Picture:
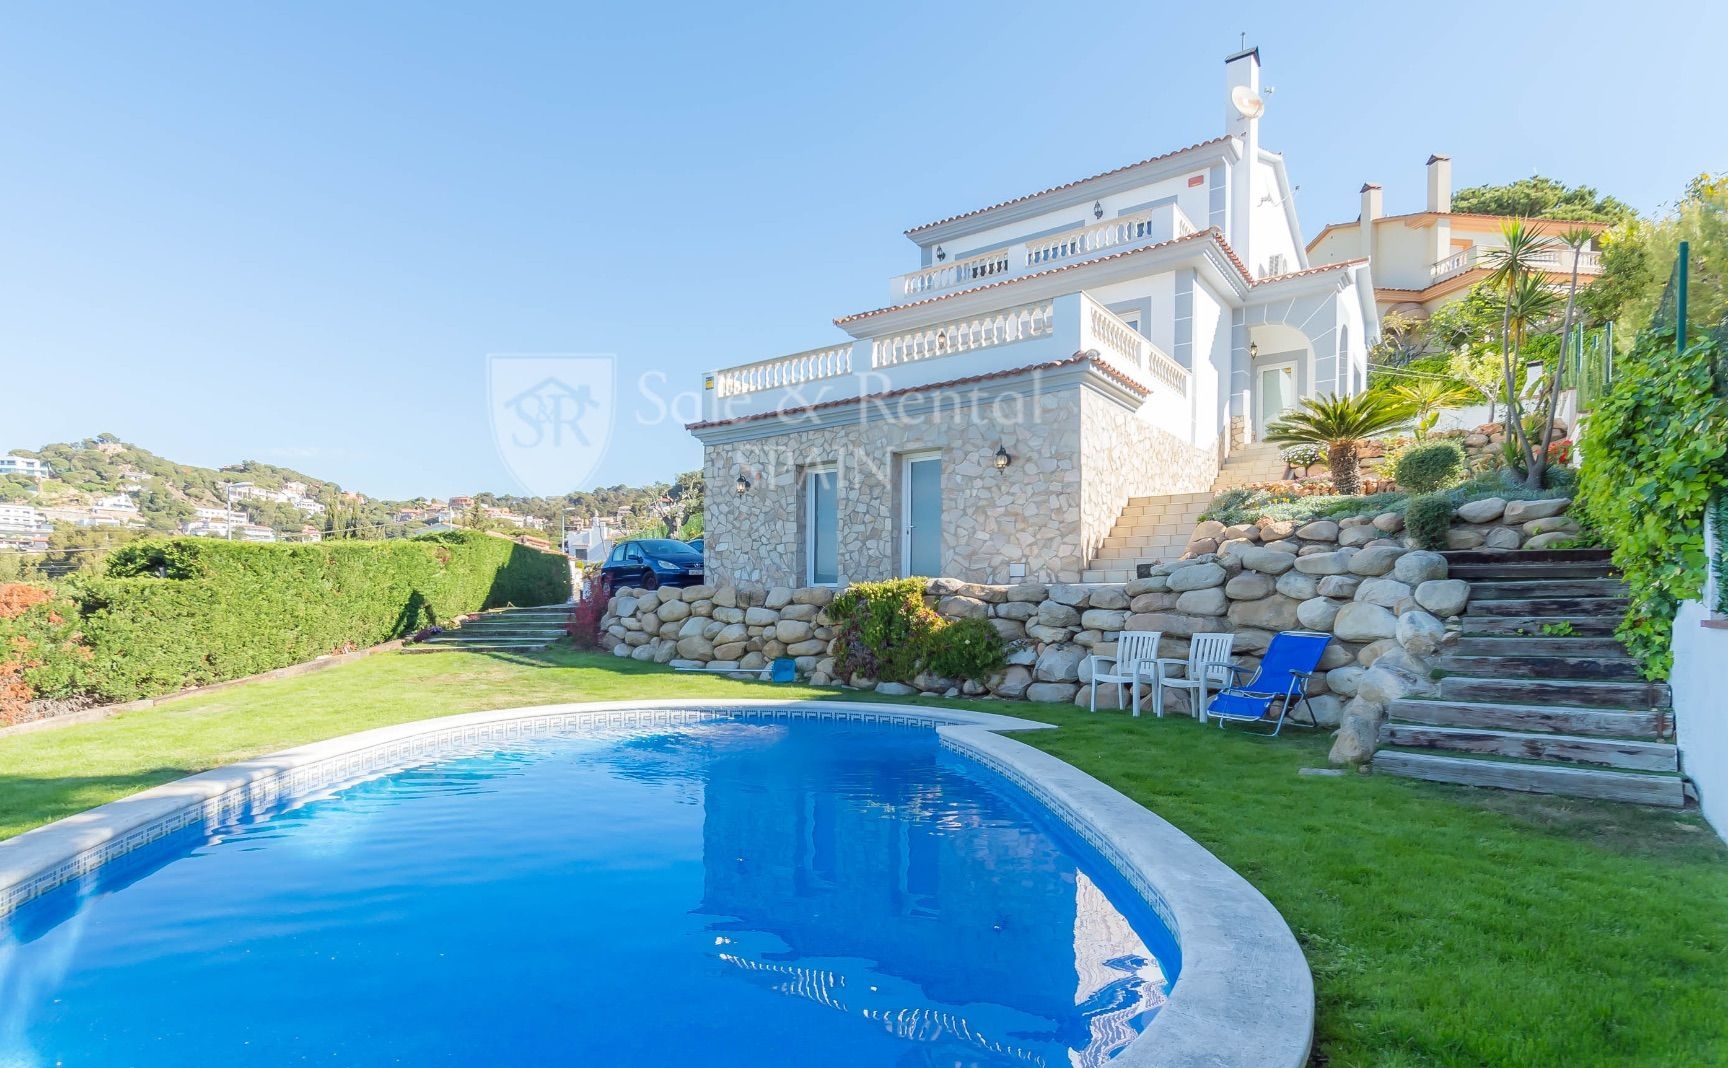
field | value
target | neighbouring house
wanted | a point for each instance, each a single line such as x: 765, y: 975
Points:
x: 1428, y: 258
x: 23, y: 519
x: 27, y: 466
x: 1050, y: 359
x: 592, y: 543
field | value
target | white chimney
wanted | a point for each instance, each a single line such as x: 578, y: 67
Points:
x: 1371, y: 210
x: 1242, y: 107
x: 1440, y: 183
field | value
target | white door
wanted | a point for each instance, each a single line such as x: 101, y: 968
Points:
x: 921, y: 515
x: 1277, y: 391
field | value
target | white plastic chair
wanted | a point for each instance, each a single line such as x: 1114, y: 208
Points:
x: 1208, y: 662
x: 1136, y: 659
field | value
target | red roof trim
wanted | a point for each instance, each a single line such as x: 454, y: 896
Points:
x: 1079, y: 357
x: 1065, y: 185
x: 1311, y: 270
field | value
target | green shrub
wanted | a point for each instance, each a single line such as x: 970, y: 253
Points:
x: 881, y: 627
x: 965, y: 649
x: 1429, y: 466
x: 887, y: 632
x: 1655, y: 454
x: 188, y: 612
x: 1427, y: 520
x: 1303, y: 456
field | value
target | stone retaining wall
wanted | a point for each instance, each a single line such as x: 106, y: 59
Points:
x: 1491, y: 523
x: 1389, y: 608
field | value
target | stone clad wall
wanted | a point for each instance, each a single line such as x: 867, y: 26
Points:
x: 1387, y: 606
x: 1122, y: 456
x: 1028, y: 514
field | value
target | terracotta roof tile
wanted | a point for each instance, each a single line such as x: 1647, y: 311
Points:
x: 1310, y: 270
x: 1079, y: 357
x: 1065, y: 185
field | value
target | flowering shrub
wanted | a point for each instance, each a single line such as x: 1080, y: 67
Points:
x: 887, y: 632
x: 584, y: 625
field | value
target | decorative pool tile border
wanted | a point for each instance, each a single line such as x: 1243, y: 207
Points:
x: 255, y: 795
x: 1106, y: 845
x: 1243, y: 995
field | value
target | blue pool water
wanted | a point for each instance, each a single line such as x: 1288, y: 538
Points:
x: 729, y: 893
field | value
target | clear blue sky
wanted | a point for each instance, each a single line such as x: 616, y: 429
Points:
x: 293, y: 232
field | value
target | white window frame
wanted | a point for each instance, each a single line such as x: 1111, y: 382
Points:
x: 907, y: 459
x: 810, y: 523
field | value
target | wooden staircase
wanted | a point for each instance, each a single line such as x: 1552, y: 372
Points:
x: 1537, y: 694
x: 1159, y: 528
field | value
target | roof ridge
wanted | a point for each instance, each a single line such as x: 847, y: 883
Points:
x: 1066, y: 185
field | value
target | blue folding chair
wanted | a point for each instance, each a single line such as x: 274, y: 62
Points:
x: 1282, y: 677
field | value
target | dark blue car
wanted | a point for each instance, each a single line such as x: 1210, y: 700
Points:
x: 650, y: 563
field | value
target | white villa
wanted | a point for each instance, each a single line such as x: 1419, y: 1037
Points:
x: 1426, y: 259
x: 1050, y: 360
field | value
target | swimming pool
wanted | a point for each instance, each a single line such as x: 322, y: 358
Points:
x: 735, y: 887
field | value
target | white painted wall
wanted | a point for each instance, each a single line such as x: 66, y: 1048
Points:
x: 1272, y: 233
x: 1211, y: 371
x: 1191, y: 199
x: 1700, y: 684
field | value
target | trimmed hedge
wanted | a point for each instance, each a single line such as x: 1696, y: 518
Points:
x: 1429, y: 466
x: 188, y: 612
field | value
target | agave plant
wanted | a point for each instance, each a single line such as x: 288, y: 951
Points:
x: 1339, y: 425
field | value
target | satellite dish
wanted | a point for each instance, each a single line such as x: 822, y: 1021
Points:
x: 1248, y: 105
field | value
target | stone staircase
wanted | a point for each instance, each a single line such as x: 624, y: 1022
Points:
x: 1159, y: 528
x: 512, y: 630
x: 1537, y: 694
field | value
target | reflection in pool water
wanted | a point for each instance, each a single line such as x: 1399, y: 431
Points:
x: 731, y: 893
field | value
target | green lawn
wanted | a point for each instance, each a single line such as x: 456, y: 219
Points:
x: 1444, y: 926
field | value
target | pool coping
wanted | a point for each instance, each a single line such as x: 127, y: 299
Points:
x: 1244, y: 994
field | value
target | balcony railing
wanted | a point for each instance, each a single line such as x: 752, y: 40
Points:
x: 1553, y: 260
x: 1065, y: 325
x: 1163, y: 223
x: 1020, y: 323
x: 1125, y: 347
x: 783, y: 371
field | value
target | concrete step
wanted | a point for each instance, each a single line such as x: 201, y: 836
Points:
x: 1539, y: 645
x: 1649, y: 788
x: 475, y: 647
x: 1106, y: 575
x: 1548, y: 717
x: 1569, y: 749
x: 1576, y: 693
x: 1525, y: 666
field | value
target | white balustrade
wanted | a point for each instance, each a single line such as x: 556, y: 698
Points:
x: 1553, y: 260
x: 1162, y: 223
x: 1127, y: 348
x: 960, y: 272
x: 1003, y: 327
x: 784, y: 371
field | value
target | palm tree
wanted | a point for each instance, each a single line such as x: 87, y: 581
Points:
x: 1424, y: 397
x: 1512, y: 270
x: 1574, y: 239
x: 1339, y: 425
